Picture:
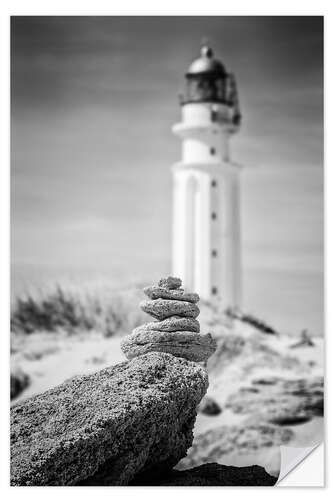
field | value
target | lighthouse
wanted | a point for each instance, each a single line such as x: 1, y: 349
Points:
x: 206, y: 251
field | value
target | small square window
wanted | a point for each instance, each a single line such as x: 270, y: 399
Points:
x: 214, y: 183
x: 214, y: 215
x: 212, y: 151
x: 214, y: 290
x: 214, y: 253
x: 214, y: 115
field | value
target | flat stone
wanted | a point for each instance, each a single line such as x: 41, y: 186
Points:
x: 158, y: 292
x: 188, y: 345
x: 170, y: 282
x: 162, y: 308
x: 171, y: 324
x: 105, y: 428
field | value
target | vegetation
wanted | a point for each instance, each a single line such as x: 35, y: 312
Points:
x: 72, y: 311
x: 251, y: 320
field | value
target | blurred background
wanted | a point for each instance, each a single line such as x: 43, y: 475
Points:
x: 93, y: 101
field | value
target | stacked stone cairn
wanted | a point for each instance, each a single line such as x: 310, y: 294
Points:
x: 175, y: 329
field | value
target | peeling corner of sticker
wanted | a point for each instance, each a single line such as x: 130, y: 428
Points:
x: 290, y: 457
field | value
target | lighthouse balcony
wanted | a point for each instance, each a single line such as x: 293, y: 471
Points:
x: 198, y: 129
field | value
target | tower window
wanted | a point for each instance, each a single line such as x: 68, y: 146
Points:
x: 214, y: 290
x: 214, y: 115
x: 214, y: 183
x: 214, y: 253
x: 214, y: 215
x: 212, y: 151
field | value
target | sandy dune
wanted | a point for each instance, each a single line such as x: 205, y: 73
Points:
x: 270, y: 393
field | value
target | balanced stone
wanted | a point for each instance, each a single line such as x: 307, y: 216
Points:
x: 176, y: 330
x: 171, y: 324
x: 189, y: 345
x: 170, y: 282
x: 161, y: 308
x: 158, y: 292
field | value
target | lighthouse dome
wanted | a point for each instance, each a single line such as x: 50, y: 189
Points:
x: 206, y: 64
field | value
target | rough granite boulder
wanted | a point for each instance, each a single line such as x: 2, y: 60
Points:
x: 188, y: 345
x: 107, y: 427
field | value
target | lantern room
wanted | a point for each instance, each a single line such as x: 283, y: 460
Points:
x: 207, y: 81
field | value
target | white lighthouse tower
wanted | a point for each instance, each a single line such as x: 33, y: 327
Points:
x: 206, y: 218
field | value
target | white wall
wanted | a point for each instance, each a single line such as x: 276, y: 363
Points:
x: 206, y: 248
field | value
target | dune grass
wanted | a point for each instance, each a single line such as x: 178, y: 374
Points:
x: 112, y: 312
x: 252, y: 320
x: 72, y: 310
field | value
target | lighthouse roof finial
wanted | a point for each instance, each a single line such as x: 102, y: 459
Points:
x: 206, y: 62
x: 206, y: 50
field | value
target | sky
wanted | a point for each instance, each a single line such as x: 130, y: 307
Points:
x: 93, y: 100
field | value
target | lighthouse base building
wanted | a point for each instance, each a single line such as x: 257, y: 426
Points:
x: 206, y: 205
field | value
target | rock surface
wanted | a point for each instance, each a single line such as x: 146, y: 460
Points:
x: 162, y: 308
x: 107, y: 427
x: 176, y: 331
x: 158, y: 292
x: 188, y: 345
x: 209, y: 406
x: 263, y: 387
x: 172, y: 324
x: 18, y: 382
x: 280, y: 401
x: 211, y: 474
x: 212, y: 445
x: 170, y: 283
